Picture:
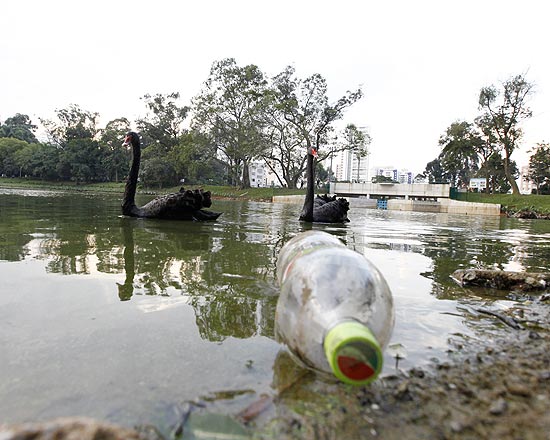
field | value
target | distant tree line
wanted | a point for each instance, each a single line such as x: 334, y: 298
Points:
x: 483, y: 148
x: 239, y: 116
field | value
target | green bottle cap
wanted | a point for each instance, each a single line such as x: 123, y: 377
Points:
x: 353, y: 353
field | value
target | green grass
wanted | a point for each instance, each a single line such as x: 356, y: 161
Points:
x: 510, y: 202
x: 112, y: 187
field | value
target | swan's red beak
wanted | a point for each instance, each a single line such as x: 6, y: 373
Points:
x: 314, y: 152
x: 126, y: 141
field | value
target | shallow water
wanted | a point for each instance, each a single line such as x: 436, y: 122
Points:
x: 127, y: 319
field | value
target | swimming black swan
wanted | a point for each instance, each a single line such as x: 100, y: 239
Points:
x: 183, y: 205
x: 321, y: 209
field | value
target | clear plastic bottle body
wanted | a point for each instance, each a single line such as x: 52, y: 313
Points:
x: 323, y: 283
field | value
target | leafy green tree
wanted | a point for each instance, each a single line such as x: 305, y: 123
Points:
x: 116, y: 158
x: 9, y: 146
x: 195, y: 160
x: 539, y: 168
x: 228, y: 109
x: 43, y: 163
x: 80, y: 161
x: 487, y: 145
x: 25, y: 159
x: 498, y: 180
x: 435, y: 173
x: 158, y: 171
x: 164, y: 123
x: 72, y: 123
x: 458, y: 157
x: 299, y: 117
x: 506, y: 115
x: 19, y: 127
x: 383, y: 179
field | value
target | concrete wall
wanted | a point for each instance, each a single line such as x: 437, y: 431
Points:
x: 289, y: 199
x: 445, y: 206
x: 414, y: 190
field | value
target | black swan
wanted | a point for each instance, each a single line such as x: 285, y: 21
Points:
x: 183, y: 205
x: 321, y: 209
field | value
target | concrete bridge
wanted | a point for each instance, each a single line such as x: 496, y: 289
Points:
x: 414, y: 191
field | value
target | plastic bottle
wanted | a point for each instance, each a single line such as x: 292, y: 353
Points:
x: 335, y: 309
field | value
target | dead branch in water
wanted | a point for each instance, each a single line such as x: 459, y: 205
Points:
x: 502, y: 280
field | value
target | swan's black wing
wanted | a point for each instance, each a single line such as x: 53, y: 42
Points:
x: 334, y: 211
x: 321, y: 200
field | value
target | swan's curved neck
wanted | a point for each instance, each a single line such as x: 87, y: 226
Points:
x: 307, y: 210
x: 129, y: 202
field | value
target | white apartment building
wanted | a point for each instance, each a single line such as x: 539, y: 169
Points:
x: 261, y: 175
x: 346, y: 166
x: 401, y: 176
x: 526, y: 186
x: 258, y: 174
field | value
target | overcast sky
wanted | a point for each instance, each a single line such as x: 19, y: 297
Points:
x: 421, y: 64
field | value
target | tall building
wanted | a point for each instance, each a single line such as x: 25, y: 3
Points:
x: 526, y: 186
x: 258, y: 175
x: 348, y: 167
x: 401, y: 176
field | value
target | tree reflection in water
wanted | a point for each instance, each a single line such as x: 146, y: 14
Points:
x: 223, y: 276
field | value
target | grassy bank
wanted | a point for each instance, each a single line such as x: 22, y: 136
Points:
x: 511, y: 203
x: 112, y: 187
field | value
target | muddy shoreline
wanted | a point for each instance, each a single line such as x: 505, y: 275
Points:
x: 496, y: 385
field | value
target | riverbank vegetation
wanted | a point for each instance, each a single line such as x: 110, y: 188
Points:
x: 228, y: 192
x: 483, y: 148
x: 243, y: 125
x: 511, y: 203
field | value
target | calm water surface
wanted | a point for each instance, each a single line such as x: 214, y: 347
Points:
x: 127, y: 319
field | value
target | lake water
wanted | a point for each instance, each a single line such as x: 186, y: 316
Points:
x: 127, y: 319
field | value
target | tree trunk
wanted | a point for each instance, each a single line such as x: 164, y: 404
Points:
x: 508, y: 174
x: 246, y: 175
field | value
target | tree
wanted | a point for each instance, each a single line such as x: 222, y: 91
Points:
x: 505, y: 116
x: 458, y: 157
x: 45, y: 158
x: 434, y: 172
x: 72, y: 123
x: 19, y: 127
x: 487, y: 146
x: 9, y: 147
x: 228, y: 109
x: 194, y: 159
x: 539, y: 168
x: 116, y: 158
x: 383, y: 179
x: 157, y: 171
x: 301, y: 117
x: 81, y: 161
x: 164, y: 123
x: 494, y: 167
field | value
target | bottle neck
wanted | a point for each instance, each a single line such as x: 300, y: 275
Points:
x: 353, y: 353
